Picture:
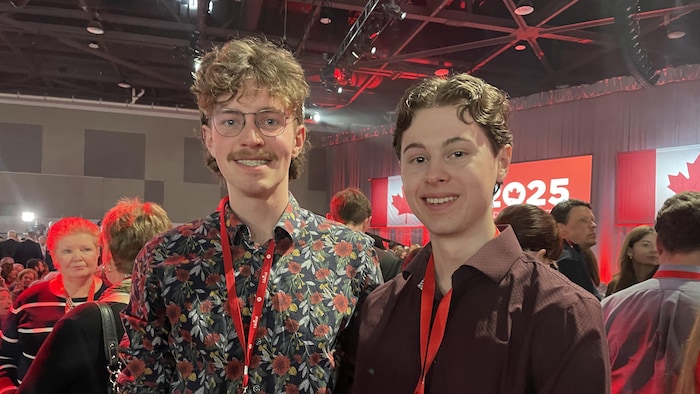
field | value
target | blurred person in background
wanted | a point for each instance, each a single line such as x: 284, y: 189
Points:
x: 536, y: 231
x: 76, y: 341
x: 5, y: 302
x: 72, y: 241
x: 648, y: 323
x: 638, y: 259
x: 25, y: 278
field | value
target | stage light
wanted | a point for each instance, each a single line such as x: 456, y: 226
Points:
x: 124, y: 84
x: 28, y: 216
x: 93, y: 45
x: 520, y: 46
x: 524, y: 7
x: 325, y: 16
x: 95, y: 26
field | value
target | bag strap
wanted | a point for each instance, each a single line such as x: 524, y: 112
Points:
x: 109, y: 331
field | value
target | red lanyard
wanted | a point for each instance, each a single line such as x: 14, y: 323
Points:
x: 429, y: 347
x: 677, y: 274
x: 247, y: 346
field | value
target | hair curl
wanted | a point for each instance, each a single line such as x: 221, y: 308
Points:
x: 251, y: 63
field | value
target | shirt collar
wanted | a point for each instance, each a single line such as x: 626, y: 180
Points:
x: 286, y: 230
x: 494, y: 259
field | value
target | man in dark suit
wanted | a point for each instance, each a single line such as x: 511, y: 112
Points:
x: 352, y: 208
x: 9, y: 246
x: 29, y: 248
x: 576, y: 224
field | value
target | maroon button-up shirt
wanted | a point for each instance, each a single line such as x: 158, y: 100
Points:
x: 515, y: 326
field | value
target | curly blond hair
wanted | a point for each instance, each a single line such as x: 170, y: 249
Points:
x: 229, y: 69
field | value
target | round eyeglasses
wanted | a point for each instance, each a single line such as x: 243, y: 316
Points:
x: 230, y: 123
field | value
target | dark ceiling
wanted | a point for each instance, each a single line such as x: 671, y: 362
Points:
x: 149, y: 43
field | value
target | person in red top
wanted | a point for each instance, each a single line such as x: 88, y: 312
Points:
x: 472, y: 312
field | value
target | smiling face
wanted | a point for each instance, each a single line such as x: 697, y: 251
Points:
x: 76, y: 255
x: 254, y: 165
x: 644, y: 251
x: 449, y: 172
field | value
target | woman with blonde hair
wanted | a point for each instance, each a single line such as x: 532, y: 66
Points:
x: 125, y: 229
x: 638, y: 259
x: 72, y: 242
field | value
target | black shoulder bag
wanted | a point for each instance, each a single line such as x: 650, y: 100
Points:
x: 111, y: 346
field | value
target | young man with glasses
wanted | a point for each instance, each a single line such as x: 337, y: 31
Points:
x: 255, y: 297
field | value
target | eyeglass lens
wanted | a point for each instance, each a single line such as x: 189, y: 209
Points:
x: 230, y: 123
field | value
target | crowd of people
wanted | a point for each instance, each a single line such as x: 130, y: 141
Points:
x: 264, y: 296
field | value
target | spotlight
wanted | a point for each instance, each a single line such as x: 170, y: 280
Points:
x: 524, y: 7
x: 674, y: 30
x: 520, y: 46
x: 124, y: 84
x: 339, y: 90
x: 93, y: 45
x: 316, y: 117
x: 95, y: 26
x: 325, y: 16
x: 395, y: 10
x: 28, y: 217
x: 441, y: 72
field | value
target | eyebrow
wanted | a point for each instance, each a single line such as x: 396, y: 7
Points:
x: 444, y: 144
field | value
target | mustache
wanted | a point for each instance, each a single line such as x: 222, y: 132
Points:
x: 249, y: 154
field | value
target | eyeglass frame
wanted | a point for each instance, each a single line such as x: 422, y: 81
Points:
x: 205, y: 120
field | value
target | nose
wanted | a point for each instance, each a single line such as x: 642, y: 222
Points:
x: 251, y: 135
x: 435, y: 173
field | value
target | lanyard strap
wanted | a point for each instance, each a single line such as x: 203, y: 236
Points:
x: 677, y: 274
x: 235, y: 306
x: 430, y: 338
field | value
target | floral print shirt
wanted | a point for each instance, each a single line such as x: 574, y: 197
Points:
x: 182, y: 337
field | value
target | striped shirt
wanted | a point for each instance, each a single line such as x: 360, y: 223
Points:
x: 25, y: 328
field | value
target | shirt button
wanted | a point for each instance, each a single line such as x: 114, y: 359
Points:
x: 256, y: 388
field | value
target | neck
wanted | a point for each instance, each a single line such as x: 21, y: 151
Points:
x: 355, y: 227
x: 667, y: 258
x: 260, y: 215
x: 642, y: 272
x: 450, y: 253
x: 78, y: 287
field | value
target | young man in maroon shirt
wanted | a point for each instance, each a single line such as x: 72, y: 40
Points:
x: 472, y: 313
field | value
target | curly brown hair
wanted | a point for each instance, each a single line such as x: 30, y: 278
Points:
x: 226, y: 71
x: 486, y: 104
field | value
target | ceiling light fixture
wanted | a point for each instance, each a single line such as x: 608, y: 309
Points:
x: 674, y: 30
x: 93, y: 45
x: 520, y: 46
x: 524, y: 7
x: 124, y: 84
x: 325, y: 16
x: 95, y: 26
x: 441, y: 72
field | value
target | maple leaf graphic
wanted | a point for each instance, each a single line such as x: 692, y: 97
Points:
x: 401, y: 205
x: 679, y: 183
x: 513, y: 194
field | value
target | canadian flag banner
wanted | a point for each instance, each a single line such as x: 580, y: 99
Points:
x: 645, y: 179
x: 543, y: 183
x: 389, y: 205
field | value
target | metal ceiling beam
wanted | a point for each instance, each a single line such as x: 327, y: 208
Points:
x: 132, y: 66
x: 436, y: 7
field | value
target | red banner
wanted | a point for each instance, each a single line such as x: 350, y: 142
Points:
x: 544, y: 183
